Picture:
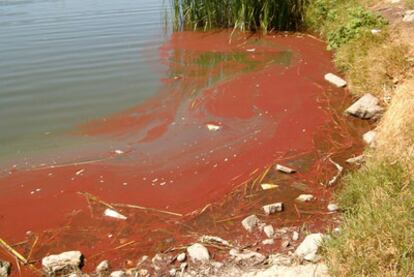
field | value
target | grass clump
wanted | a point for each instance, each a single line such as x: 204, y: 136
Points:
x: 246, y: 15
x: 376, y: 236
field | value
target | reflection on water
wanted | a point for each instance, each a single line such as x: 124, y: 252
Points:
x: 66, y: 62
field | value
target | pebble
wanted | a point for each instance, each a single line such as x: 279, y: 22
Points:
x: 333, y: 207
x: 183, y: 267
x: 305, y: 198
x: 198, y: 252
x: 173, y: 272
x: 295, y: 236
x: 273, y: 208
x: 181, y: 257
x: 369, y: 137
x: 269, y: 231
x: 250, y: 222
x: 268, y: 242
x: 102, y: 266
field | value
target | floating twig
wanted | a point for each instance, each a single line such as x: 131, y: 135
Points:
x: 335, y: 178
x: 12, y: 251
x: 31, y: 249
x: 146, y: 209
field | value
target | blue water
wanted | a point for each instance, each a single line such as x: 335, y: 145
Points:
x: 65, y: 62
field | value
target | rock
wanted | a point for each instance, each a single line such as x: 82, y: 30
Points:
x: 181, y: 257
x: 183, y: 267
x: 285, y: 243
x: 102, y: 267
x: 307, y: 270
x: 369, y: 137
x: 268, y: 242
x: 295, y: 236
x: 197, y: 252
x: 214, y: 239
x: 217, y: 265
x: 250, y: 222
x: 305, y: 198
x: 280, y: 259
x: 143, y: 273
x: 246, y: 255
x: 159, y: 261
x: 333, y: 207
x: 335, y: 80
x: 308, y: 249
x: 118, y: 273
x: 268, y: 186
x: 269, y: 231
x: 173, y: 272
x: 356, y: 160
x: 285, y: 169
x: 64, y: 262
x: 114, y: 214
x: 5, y: 268
x: 408, y: 16
x: 366, y: 107
x: 273, y: 208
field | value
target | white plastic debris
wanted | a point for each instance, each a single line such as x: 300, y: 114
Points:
x: 213, y: 127
x: 285, y: 169
x: 79, y: 172
x: 335, y: 80
x: 251, y: 50
x: 114, y: 214
x: 268, y: 186
x: 119, y: 152
x: 305, y: 198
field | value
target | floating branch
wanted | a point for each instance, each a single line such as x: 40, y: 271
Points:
x: 335, y: 178
x: 12, y: 251
x: 146, y: 209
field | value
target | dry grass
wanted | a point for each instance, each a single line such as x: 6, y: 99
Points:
x: 396, y: 130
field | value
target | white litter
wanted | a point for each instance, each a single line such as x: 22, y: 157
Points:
x: 79, y: 172
x: 251, y: 50
x: 119, y: 152
x: 213, y: 127
x: 268, y: 186
x: 114, y: 214
x: 335, y: 80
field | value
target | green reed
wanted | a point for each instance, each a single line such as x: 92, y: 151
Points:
x: 245, y: 15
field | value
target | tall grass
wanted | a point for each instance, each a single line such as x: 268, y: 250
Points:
x: 246, y: 15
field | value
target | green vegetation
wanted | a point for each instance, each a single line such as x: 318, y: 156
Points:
x: 376, y: 236
x: 246, y: 15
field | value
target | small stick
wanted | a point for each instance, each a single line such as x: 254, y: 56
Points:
x: 297, y: 211
x: 340, y: 169
x: 18, y: 266
x: 147, y: 209
x: 31, y: 249
x: 12, y: 251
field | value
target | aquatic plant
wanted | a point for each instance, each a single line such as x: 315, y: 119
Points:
x: 245, y: 15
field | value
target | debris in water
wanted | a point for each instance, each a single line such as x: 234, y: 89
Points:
x: 213, y: 127
x: 79, y: 172
x: 111, y: 213
x: 285, y: 169
x: 119, y: 152
x: 268, y: 186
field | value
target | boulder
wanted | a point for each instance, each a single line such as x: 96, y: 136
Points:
x: 64, y: 262
x: 250, y: 222
x: 305, y: 198
x: 197, y: 252
x: 273, y: 208
x: 5, y: 268
x: 335, y: 80
x: 269, y: 231
x: 365, y: 108
x: 308, y: 249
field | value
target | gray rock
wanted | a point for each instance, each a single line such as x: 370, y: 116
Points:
x: 366, y: 107
x: 285, y: 169
x: 305, y: 198
x: 66, y: 261
x: 408, y: 16
x: 250, y: 222
x: 335, y: 80
x: 181, y: 257
x: 269, y: 231
x: 198, y: 253
x: 102, y: 266
x: 5, y: 268
x: 273, y: 208
x: 369, y: 137
x: 308, y: 249
x: 333, y: 207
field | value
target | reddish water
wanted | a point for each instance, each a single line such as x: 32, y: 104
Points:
x: 268, y: 99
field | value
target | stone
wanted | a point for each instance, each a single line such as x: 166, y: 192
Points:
x: 285, y: 243
x: 159, y: 261
x: 369, y: 137
x: 268, y: 242
x: 214, y: 239
x: 197, y: 252
x: 114, y: 214
x: 305, y: 198
x: 356, y: 160
x: 335, y: 80
x: 181, y: 257
x: 273, y: 208
x: 309, y: 247
x: 333, y: 207
x: 183, y: 267
x: 102, y: 266
x: 118, y: 273
x: 245, y: 255
x: 295, y: 236
x: 217, y: 265
x: 269, y: 231
x: 408, y: 16
x: 143, y: 272
x: 250, y: 222
x: 5, y: 268
x: 285, y: 169
x: 66, y: 261
x: 365, y: 108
